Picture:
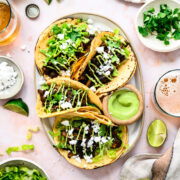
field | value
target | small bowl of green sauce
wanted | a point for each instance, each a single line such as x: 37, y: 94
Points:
x: 20, y: 168
x: 124, y: 105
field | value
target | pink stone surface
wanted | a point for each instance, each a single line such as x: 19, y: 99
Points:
x: 13, y: 127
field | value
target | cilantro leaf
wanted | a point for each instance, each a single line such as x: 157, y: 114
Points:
x: 143, y: 31
x: 176, y: 35
x: 45, y: 86
x: 115, y: 72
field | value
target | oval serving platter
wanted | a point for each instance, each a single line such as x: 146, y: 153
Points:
x: 105, y: 24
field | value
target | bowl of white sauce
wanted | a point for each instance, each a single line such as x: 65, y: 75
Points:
x: 11, y: 78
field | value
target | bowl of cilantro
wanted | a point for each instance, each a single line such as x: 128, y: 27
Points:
x: 20, y: 168
x: 158, y: 25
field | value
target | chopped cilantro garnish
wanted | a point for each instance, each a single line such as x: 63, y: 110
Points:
x: 165, y: 24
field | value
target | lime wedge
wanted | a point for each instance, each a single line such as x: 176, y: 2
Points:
x: 18, y: 106
x: 157, y: 133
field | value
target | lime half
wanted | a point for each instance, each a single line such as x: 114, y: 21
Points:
x: 18, y: 106
x: 157, y: 133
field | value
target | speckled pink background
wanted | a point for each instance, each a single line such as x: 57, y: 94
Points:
x: 13, y: 127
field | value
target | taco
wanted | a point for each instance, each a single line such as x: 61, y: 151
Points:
x: 59, y: 95
x: 110, y: 64
x: 60, y: 45
x: 88, y: 141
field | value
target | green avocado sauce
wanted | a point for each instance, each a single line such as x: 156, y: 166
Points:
x: 123, y: 104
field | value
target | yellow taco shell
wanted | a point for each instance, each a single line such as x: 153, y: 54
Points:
x: 102, y: 120
x: 126, y: 69
x: 42, y: 44
x: 94, y: 99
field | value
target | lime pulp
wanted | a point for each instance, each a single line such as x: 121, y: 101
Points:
x: 18, y: 106
x: 157, y: 133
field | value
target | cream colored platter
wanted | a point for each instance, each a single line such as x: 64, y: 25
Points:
x: 103, y: 24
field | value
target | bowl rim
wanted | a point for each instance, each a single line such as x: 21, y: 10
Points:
x: 170, y: 49
x: 21, y: 74
x: 154, y: 95
x: 27, y: 161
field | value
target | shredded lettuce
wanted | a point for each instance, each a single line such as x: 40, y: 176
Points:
x: 24, y: 147
x: 20, y: 173
x: 12, y: 149
x: 27, y: 147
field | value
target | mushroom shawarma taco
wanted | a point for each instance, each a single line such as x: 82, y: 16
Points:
x: 110, y: 64
x: 60, y: 45
x: 88, y: 141
x: 59, y: 95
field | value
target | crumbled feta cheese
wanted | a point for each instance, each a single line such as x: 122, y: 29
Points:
x: 66, y: 73
x: 97, y: 138
x: 90, y: 21
x: 110, y: 48
x: 69, y: 41
x: 83, y: 143
x: 23, y: 47
x: 93, y: 88
x: 106, y: 62
x: 90, y: 142
x: 73, y: 142
x: 88, y: 158
x: 8, y: 76
x: 65, y: 123
x: 79, y: 103
x: 100, y: 49
x: 60, y: 36
x: 104, y: 140
x: 105, y: 55
x: 65, y: 105
x: 109, y: 138
x: 105, y: 68
x: 100, y: 73
x: 77, y: 158
x: 71, y: 131
x: 9, y: 55
x: 46, y: 93
x: 64, y: 46
x: 55, y: 62
x: 41, y: 80
x: 86, y: 129
x: 92, y: 29
x: 95, y: 127
x: 107, y: 73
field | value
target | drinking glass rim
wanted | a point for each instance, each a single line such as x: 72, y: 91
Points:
x: 156, y: 102
x: 9, y: 17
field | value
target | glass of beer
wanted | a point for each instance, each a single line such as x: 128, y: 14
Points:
x: 9, y: 23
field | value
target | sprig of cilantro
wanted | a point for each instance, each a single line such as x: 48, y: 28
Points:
x: 165, y: 24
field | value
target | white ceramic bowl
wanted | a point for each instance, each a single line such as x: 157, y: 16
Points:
x: 151, y: 41
x: 15, y: 89
x: 23, y: 162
